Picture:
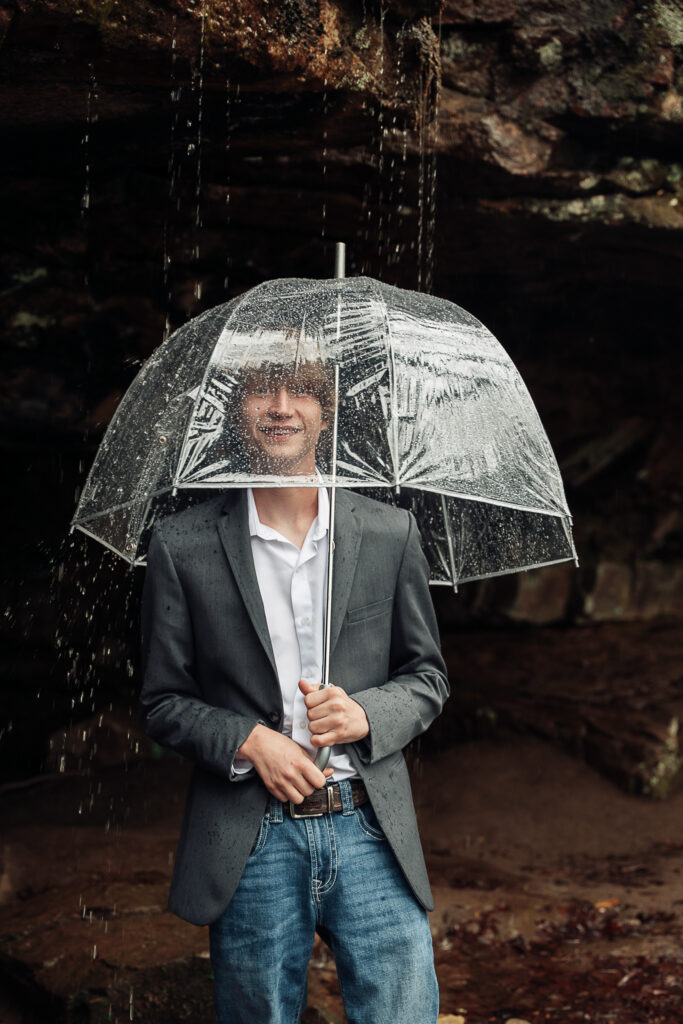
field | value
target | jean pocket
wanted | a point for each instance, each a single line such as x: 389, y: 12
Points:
x: 367, y: 820
x: 261, y: 836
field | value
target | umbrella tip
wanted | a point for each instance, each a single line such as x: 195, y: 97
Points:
x: 340, y: 260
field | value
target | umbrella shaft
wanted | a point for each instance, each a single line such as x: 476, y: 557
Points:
x: 328, y: 604
x: 323, y: 755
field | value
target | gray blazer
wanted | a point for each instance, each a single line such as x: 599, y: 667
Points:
x: 210, y: 677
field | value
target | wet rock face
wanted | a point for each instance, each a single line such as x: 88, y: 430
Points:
x: 163, y: 156
x: 585, y: 97
x: 274, y: 48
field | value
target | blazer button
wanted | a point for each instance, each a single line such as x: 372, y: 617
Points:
x: 274, y: 716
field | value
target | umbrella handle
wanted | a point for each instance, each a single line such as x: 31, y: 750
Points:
x: 322, y: 757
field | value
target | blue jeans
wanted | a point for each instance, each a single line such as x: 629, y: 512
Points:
x: 336, y: 875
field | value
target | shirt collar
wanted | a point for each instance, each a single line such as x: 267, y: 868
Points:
x: 321, y: 523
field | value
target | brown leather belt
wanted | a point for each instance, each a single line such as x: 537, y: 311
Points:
x: 324, y: 801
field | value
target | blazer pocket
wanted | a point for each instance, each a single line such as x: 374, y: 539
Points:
x: 370, y: 611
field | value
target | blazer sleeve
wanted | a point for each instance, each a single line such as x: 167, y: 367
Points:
x: 172, y: 709
x: 406, y: 705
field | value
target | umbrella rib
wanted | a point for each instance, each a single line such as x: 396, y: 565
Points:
x: 202, y: 386
x: 518, y: 568
x: 392, y: 385
x: 203, y: 473
x: 562, y: 514
x: 111, y: 509
x: 449, y: 541
x: 100, y: 540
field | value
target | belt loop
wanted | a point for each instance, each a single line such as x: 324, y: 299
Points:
x: 346, y: 794
x: 275, y: 811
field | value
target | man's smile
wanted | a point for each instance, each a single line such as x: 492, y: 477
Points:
x: 278, y: 430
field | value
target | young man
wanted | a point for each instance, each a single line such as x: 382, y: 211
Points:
x: 273, y: 849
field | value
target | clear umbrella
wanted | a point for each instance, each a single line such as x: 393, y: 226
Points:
x: 425, y: 407
x: 430, y: 413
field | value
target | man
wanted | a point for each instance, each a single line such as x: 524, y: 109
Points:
x: 272, y: 849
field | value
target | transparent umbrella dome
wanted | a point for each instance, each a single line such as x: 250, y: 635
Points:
x: 430, y: 413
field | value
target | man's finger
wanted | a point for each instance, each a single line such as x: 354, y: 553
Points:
x: 311, y: 690
x: 314, y: 776
x: 278, y: 791
x: 325, y: 739
x: 323, y: 698
x: 316, y: 714
x: 316, y: 697
x: 307, y: 687
x: 329, y: 724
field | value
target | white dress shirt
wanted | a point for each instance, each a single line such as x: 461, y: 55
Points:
x: 293, y: 590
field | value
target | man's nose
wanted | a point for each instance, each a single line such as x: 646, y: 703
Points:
x: 281, y: 403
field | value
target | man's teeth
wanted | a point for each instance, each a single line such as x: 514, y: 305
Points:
x: 280, y: 430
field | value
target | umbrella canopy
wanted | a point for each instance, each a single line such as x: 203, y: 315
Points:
x: 430, y: 413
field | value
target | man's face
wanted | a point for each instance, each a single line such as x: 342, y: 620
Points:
x: 282, y: 423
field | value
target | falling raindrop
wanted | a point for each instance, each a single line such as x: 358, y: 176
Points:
x: 427, y: 177
x: 85, y: 142
x: 434, y: 94
x: 395, y: 173
x: 198, y: 86
x: 380, y: 133
x: 421, y: 198
x: 175, y: 94
x: 90, y: 118
x: 228, y: 137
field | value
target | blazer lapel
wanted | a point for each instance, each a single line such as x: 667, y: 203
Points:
x: 347, y: 536
x: 233, y: 530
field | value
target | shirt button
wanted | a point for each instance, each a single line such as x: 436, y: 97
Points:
x: 305, y: 621
x: 274, y: 716
x: 302, y: 724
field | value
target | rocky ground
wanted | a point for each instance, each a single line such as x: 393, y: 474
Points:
x: 558, y: 897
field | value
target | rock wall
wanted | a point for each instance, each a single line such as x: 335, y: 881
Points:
x: 559, y: 127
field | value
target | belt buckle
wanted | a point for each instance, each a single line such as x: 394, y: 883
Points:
x: 313, y: 814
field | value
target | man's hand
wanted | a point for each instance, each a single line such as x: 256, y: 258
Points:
x: 333, y: 716
x: 287, y: 770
